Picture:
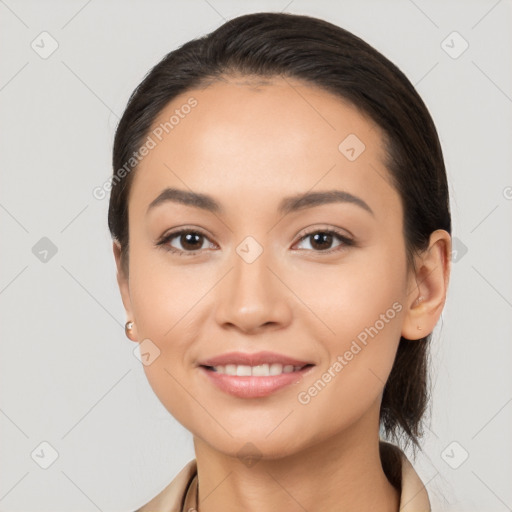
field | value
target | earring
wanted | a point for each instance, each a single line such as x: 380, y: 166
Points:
x: 128, y: 327
x: 419, y: 300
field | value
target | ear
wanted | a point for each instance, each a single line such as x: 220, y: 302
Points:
x: 428, y: 286
x: 124, y: 288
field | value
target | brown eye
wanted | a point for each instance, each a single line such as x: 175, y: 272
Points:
x: 184, y: 242
x: 191, y: 241
x: 322, y: 240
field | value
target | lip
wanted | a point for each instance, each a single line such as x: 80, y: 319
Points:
x: 254, y: 359
x: 253, y: 387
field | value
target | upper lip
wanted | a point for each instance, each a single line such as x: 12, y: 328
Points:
x: 252, y: 359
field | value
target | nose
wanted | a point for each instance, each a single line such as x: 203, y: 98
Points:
x: 253, y: 298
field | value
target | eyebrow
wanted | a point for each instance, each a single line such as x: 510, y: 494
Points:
x: 287, y: 205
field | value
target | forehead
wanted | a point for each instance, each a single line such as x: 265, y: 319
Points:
x: 245, y: 137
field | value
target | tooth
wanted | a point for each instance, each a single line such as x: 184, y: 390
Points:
x: 230, y: 369
x: 261, y: 371
x: 276, y: 369
x: 243, y: 370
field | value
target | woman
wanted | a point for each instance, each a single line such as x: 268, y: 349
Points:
x: 281, y: 227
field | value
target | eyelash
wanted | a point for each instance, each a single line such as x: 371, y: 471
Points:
x: 164, y: 241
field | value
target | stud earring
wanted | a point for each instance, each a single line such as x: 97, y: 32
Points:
x: 128, y: 327
x: 419, y: 300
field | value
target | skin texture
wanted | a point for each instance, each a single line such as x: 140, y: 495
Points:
x: 249, y: 145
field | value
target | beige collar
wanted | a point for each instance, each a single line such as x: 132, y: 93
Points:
x: 181, y: 494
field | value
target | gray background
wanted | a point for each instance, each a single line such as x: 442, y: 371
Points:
x: 69, y: 376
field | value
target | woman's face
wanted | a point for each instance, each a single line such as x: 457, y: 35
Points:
x: 320, y: 281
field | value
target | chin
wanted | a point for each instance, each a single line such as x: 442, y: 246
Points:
x: 254, y: 445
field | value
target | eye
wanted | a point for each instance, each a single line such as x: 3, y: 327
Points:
x: 191, y: 242
x: 321, y: 240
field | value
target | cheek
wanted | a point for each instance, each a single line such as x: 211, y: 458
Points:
x: 359, y: 292
x: 360, y: 305
x: 164, y: 294
x: 167, y: 301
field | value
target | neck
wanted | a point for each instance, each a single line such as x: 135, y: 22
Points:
x: 343, y: 472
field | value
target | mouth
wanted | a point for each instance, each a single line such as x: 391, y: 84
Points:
x: 257, y: 375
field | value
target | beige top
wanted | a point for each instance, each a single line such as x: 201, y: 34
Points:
x: 181, y: 494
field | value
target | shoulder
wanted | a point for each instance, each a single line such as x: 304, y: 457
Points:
x: 171, y: 498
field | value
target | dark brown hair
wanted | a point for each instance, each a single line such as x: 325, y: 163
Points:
x: 317, y: 52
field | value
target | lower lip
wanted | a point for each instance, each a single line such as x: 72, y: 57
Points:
x: 253, y: 387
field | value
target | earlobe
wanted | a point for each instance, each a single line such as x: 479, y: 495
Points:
x: 428, y: 288
x: 124, y: 289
